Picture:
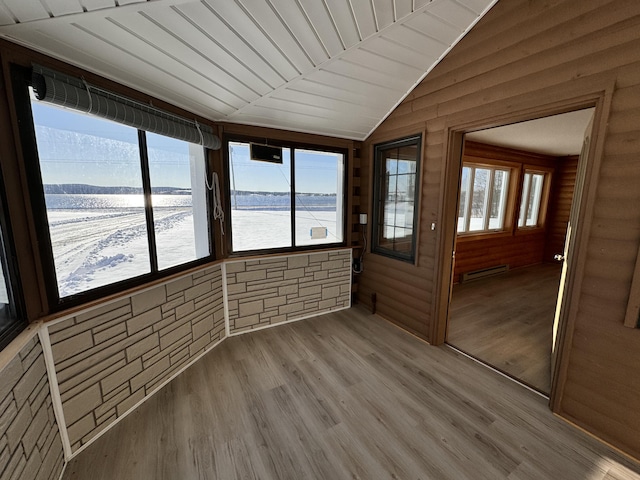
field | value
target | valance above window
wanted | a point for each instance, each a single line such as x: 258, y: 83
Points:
x: 60, y: 89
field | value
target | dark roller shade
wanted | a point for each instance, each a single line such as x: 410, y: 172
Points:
x: 59, y: 89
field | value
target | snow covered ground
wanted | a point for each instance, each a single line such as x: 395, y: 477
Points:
x: 93, y: 248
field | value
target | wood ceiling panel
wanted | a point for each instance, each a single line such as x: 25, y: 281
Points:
x: 270, y: 22
x: 376, y: 92
x: 384, y: 13
x: 296, y: 21
x: 91, y: 5
x: 338, y: 93
x: 146, y: 40
x: 365, y: 18
x: 478, y: 6
x: 337, y: 106
x: 389, y: 48
x: 345, y: 21
x: 6, y: 18
x: 209, y: 27
x: 237, y: 20
x: 402, y: 8
x: 385, y: 78
x: 324, y: 26
x: 193, y: 46
x: 64, y: 7
x: 455, y: 13
x: 435, y: 28
x: 386, y: 65
x: 26, y: 11
x: 78, y: 45
x: 414, y: 40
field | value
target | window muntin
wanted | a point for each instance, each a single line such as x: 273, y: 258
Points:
x: 483, y: 199
x: 395, y: 198
x: 531, y: 201
x: 92, y: 174
x: 264, y: 209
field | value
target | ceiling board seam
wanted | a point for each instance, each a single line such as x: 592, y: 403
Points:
x: 375, y: 16
x: 330, y: 109
x: 333, y: 23
x: 347, y: 102
x: 46, y: 8
x: 373, y: 84
x: 177, y: 60
x: 433, y: 65
x: 395, y: 10
x: 290, y: 32
x: 16, y: 20
x: 202, y: 54
x: 391, y: 59
x: 466, y: 7
x: 267, y: 36
x: 89, y: 32
x: 447, y: 22
x: 132, y: 84
x: 313, y: 28
x: 402, y: 45
x: 354, y: 19
x: 372, y: 70
x: 426, y: 35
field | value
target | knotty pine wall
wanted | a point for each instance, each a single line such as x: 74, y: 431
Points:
x: 522, y: 55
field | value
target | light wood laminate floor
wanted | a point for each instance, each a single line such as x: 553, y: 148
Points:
x: 507, y: 321
x: 344, y: 396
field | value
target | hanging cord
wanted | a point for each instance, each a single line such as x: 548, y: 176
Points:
x: 360, y: 268
x: 218, y: 212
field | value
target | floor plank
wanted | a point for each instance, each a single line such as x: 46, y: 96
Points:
x: 507, y: 320
x: 344, y: 396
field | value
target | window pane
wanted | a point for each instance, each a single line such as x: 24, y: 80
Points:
x: 177, y: 171
x: 4, y: 295
x: 498, y: 199
x: 260, y: 200
x: 318, y: 203
x: 535, y: 197
x: 464, y: 198
x: 479, y: 202
x: 396, y: 171
x: 93, y: 190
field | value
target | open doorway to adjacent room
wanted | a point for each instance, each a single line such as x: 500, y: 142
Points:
x: 516, y: 189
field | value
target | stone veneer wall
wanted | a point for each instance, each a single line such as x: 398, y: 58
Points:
x: 109, y: 358
x: 273, y: 290
x: 30, y: 443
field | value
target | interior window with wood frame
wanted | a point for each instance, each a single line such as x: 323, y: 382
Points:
x: 396, y: 180
x: 484, y: 198
x: 534, y: 198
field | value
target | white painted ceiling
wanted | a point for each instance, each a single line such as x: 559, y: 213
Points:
x: 333, y: 67
x: 557, y: 135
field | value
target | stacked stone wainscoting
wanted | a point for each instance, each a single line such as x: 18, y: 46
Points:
x: 110, y: 358
x: 30, y: 443
x: 269, y: 291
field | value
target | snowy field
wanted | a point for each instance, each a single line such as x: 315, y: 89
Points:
x: 97, y: 247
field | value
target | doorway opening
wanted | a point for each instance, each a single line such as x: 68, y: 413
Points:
x: 515, y: 195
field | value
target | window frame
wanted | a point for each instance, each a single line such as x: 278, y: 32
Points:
x: 378, y: 194
x: 21, y: 81
x: 544, y: 197
x: 16, y: 314
x: 292, y: 145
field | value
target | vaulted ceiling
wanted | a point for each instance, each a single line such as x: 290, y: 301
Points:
x: 332, y: 67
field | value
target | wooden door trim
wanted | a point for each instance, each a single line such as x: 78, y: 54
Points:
x: 599, y: 95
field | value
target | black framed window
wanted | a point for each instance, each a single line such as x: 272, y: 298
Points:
x: 395, y: 207
x: 12, y: 317
x: 118, y: 205
x: 284, y: 196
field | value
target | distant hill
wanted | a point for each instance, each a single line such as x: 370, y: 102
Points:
x: 83, y: 189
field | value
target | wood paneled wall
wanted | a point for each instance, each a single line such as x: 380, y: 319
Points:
x: 564, y: 183
x: 522, y: 56
x: 512, y: 247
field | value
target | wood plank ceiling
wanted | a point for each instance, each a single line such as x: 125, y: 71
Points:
x: 332, y: 67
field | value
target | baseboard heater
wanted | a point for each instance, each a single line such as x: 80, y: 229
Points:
x: 484, y: 272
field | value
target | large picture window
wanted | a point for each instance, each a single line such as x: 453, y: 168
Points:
x: 396, y: 185
x: 483, y: 199
x: 294, y: 201
x: 120, y: 202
